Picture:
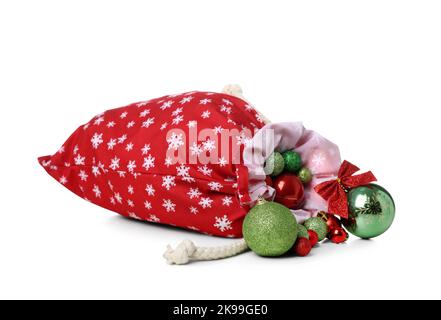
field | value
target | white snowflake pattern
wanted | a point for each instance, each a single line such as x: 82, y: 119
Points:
x: 168, y: 182
x: 227, y: 102
x: 209, y: 145
x: 225, y: 109
x: 130, y: 124
x: 317, y: 160
x: 133, y: 215
x: 150, y: 190
x: 205, y: 170
x: 79, y: 160
x: 205, y: 101
x: 148, y: 122
x: 205, y: 202
x: 63, y: 180
x: 186, y: 100
x: 96, y: 140
x: 218, y: 130
x: 227, y: 201
x: 130, y: 189
x: 96, y: 171
x: 163, y: 126
x: 178, y: 119
x: 175, y: 141
x: 206, y: 114
x: 168, y: 162
x: 97, y: 191
x: 149, y: 162
x: 222, y: 162
x: 192, y: 123
x: 194, y: 210
x: 110, y: 124
x: 214, y: 186
x: 168, y: 205
x: 144, y: 113
x: 62, y: 149
x: 129, y: 147
x: 130, y: 203
x: 114, y: 163
x: 196, y: 149
x: 118, y: 197
x: 111, y: 144
x: 131, y: 166
x: 154, y: 218
x: 259, y: 118
x: 122, y: 138
x: 147, y: 205
x: 183, y: 171
x: 177, y: 111
x: 98, y: 120
x: 194, y: 193
x: 145, y: 150
x: 123, y: 115
x: 83, y: 175
x: 223, y: 223
x: 167, y: 105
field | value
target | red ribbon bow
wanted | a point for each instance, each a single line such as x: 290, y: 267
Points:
x: 334, y: 191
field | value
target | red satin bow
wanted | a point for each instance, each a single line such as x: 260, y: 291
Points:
x: 334, y: 191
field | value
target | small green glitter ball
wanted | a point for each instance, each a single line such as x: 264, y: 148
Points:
x: 274, y: 165
x: 318, y: 225
x: 305, y: 175
x: 302, y: 232
x: 269, y: 229
x: 293, y: 161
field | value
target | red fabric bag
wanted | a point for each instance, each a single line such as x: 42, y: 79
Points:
x: 125, y: 160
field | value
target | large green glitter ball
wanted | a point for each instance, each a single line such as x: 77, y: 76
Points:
x: 274, y: 165
x: 371, y: 211
x: 293, y: 161
x: 318, y: 225
x: 269, y: 229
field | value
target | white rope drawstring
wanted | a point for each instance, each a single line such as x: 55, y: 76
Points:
x: 186, y: 251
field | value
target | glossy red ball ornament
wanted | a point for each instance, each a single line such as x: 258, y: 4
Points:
x: 302, y: 247
x: 313, y: 237
x: 333, y: 222
x: 289, y: 190
x: 338, y: 235
x: 269, y: 181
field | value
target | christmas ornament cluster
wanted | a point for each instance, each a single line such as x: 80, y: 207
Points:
x: 356, y: 205
x: 280, y: 195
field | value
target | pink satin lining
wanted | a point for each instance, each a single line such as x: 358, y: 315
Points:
x: 318, y: 154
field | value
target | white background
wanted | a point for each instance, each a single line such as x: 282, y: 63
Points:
x: 365, y: 74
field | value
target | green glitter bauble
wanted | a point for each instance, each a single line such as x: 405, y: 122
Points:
x: 302, y: 232
x: 305, y: 175
x: 269, y: 229
x: 293, y: 161
x: 371, y: 211
x: 274, y: 165
x: 318, y: 225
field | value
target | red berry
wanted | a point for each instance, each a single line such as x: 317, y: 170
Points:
x: 338, y: 235
x: 313, y: 237
x: 302, y: 247
x: 333, y: 222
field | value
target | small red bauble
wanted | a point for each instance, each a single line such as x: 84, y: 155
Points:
x: 313, y: 237
x: 289, y: 190
x: 302, y: 247
x: 269, y: 181
x: 338, y: 235
x: 333, y: 222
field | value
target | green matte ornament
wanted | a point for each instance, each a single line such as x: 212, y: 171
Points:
x: 302, y: 232
x: 274, y: 165
x: 269, y: 229
x: 371, y: 211
x: 305, y: 175
x: 318, y: 225
x: 293, y: 161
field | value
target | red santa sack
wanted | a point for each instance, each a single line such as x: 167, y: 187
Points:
x: 161, y: 161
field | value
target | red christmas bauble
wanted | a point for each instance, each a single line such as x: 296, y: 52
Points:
x: 338, y: 235
x: 313, y: 237
x: 269, y: 181
x: 302, y: 247
x: 289, y: 190
x: 333, y: 222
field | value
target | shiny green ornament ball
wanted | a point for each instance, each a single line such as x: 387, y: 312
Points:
x: 305, y: 175
x: 274, y: 165
x: 371, y: 211
x: 293, y: 161
x: 269, y: 229
x: 302, y: 232
x: 318, y: 225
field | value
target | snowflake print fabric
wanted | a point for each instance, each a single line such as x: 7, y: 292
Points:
x: 143, y: 161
